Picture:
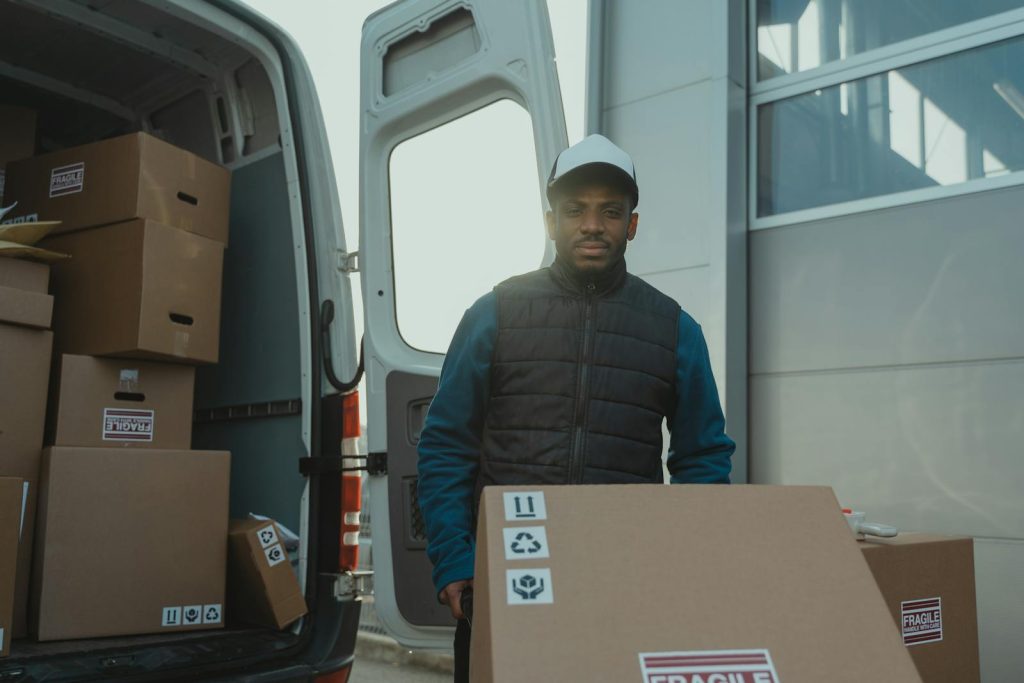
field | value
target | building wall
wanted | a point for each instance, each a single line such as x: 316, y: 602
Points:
x: 885, y: 343
x: 671, y: 93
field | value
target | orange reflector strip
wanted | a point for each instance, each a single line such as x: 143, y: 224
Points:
x: 351, y: 484
x: 339, y: 676
x: 350, y: 416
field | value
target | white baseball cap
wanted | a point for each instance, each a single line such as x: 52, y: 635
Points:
x: 593, y: 150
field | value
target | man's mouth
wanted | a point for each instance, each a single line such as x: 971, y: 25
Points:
x: 592, y: 248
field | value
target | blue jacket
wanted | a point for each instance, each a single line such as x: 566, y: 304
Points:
x: 449, y: 447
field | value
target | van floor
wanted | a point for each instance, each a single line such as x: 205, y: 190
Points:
x: 139, y: 651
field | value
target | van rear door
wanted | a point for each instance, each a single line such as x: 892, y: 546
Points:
x: 461, y: 120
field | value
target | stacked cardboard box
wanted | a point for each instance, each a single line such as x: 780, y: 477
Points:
x: 132, y: 525
x: 25, y: 344
x: 928, y: 584
x: 12, y: 506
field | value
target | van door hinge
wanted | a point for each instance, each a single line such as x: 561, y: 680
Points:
x: 353, y: 585
x: 348, y: 261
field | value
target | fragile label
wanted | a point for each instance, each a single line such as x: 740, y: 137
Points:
x: 708, y: 666
x: 211, y: 614
x: 524, y: 505
x: 525, y: 542
x: 67, y: 179
x: 127, y: 424
x: 275, y: 554
x: 267, y: 536
x: 1, y: 637
x: 921, y: 620
x: 529, y: 586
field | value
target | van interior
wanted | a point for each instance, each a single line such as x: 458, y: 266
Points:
x: 102, y: 68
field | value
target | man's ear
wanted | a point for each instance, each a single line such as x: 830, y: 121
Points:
x: 631, y: 228
x: 549, y: 219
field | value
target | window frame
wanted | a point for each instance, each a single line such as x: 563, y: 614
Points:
x: 942, y: 43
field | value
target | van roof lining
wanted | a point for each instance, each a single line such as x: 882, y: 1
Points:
x: 104, y: 64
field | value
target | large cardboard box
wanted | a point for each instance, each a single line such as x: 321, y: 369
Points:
x: 928, y: 583
x: 25, y: 372
x: 12, y: 504
x: 129, y: 541
x: 116, y: 180
x: 107, y: 402
x: 262, y: 587
x: 139, y: 289
x: 17, y: 137
x: 23, y: 293
x: 674, y: 584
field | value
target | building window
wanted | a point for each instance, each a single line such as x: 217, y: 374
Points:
x: 936, y: 123
x: 797, y: 35
x: 466, y: 213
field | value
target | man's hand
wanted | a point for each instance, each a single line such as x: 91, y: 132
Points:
x: 451, y: 595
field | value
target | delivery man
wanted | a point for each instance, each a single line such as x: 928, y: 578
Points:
x: 564, y: 375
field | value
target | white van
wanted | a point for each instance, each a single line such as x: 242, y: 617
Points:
x: 218, y: 79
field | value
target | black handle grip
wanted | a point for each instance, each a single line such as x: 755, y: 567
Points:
x: 466, y: 603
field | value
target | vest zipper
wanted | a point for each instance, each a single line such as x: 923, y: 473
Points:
x: 576, y: 455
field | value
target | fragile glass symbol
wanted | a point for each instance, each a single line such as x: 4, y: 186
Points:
x: 525, y: 543
x: 528, y: 587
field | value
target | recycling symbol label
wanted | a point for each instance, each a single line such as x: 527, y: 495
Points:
x: 267, y: 536
x: 211, y: 614
x: 525, y: 542
x: 529, y: 586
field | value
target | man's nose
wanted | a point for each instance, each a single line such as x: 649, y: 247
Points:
x: 592, y: 224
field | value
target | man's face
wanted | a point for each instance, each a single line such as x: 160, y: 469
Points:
x: 591, y: 225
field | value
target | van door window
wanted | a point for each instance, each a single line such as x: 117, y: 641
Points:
x: 466, y: 213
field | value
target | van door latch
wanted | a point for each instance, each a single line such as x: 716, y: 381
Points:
x: 348, y: 261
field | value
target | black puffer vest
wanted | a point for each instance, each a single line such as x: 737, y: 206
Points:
x: 581, y: 377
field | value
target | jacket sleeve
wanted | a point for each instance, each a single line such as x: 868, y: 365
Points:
x: 699, y: 451
x: 449, y: 445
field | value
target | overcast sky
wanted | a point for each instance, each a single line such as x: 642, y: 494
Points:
x: 328, y: 32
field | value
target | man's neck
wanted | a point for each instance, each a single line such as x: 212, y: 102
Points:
x: 603, y: 281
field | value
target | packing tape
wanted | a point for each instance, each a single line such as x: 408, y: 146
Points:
x: 180, y: 343
x: 129, y: 380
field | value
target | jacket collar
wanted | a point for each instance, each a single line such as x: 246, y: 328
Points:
x: 570, y: 279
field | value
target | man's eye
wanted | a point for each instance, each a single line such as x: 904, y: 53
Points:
x: 613, y: 213
x: 572, y: 211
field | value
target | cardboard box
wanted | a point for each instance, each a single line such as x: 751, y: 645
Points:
x: 25, y: 369
x: 107, y: 402
x: 928, y: 583
x: 129, y: 541
x: 262, y: 586
x: 116, y: 180
x: 23, y: 293
x: 12, y: 505
x: 138, y: 290
x: 661, y: 583
x: 17, y: 137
